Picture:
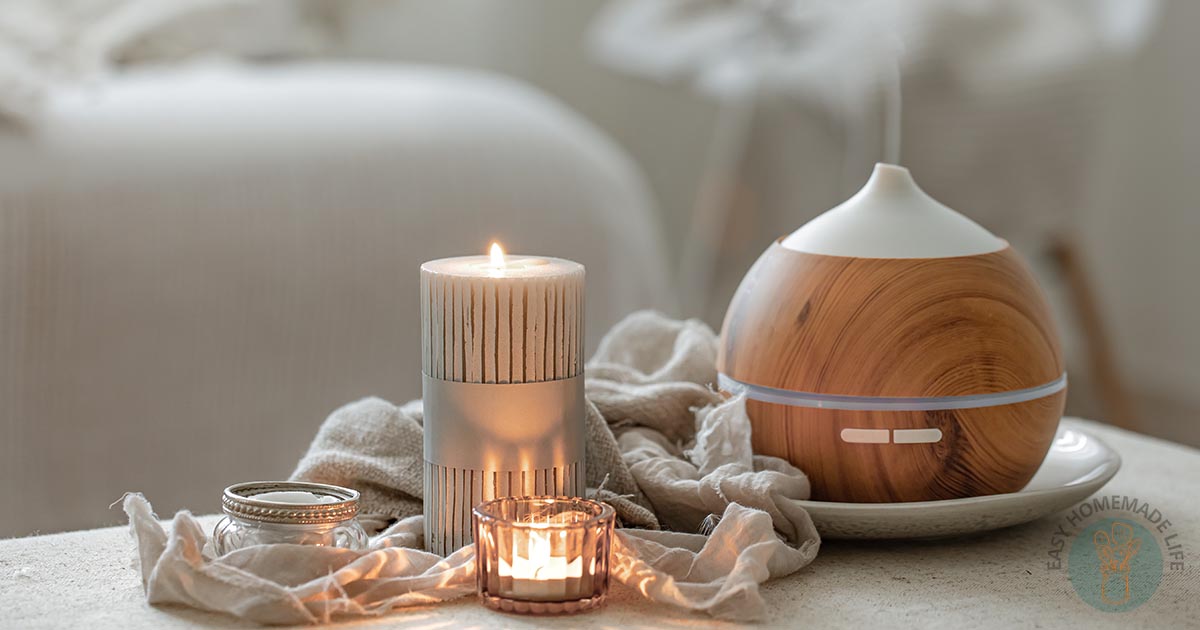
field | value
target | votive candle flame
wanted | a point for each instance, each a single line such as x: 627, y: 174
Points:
x: 542, y: 554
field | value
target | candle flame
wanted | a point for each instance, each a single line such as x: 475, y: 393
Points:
x: 497, y: 255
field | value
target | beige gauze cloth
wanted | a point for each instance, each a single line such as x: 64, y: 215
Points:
x: 670, y: 454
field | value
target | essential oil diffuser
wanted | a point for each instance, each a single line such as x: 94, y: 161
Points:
x: 895, y: 350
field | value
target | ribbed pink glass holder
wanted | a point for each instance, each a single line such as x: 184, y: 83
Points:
x: 542, y: 555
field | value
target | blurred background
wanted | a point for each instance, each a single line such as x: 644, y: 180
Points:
x: 212, y: 212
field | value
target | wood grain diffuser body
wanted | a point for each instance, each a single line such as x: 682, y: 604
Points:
x: 894, y: 350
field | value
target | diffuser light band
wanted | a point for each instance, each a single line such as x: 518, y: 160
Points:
x: 888, y: 403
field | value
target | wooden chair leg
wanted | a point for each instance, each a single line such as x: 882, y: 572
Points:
x: 1114, y: 396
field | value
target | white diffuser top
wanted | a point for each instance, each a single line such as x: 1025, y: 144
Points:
x: 891, y: 217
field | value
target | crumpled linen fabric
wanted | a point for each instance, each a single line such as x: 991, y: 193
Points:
x: 293, y: 584
x: 668, y: 452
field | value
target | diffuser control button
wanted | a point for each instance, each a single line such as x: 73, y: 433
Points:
x: 865, y: 436
x: 916, y: 436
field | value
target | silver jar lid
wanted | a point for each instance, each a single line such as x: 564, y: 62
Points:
x: 290, y: 502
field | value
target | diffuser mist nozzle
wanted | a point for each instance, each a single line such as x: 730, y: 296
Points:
x: 891, y: 217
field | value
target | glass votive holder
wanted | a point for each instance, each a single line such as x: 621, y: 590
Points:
x: 542, y: 555
x: 293, y: 512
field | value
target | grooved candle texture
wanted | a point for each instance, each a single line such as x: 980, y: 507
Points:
x: 520, y: 323
x: 523, y: 326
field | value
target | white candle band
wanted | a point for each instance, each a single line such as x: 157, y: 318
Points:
x: 504, y: 426
x: 888, y: 403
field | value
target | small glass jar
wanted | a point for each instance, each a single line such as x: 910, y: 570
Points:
x: 294, y: 512
x: 542, y: 554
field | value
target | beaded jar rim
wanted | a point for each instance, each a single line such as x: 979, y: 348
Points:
x: 239, y: 501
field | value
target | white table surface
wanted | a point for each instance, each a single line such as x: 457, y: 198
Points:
x: 86, y: 579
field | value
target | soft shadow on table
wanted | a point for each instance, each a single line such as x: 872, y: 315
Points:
x: 625, y: 610
x: 1003, y: 536
x: 432, y: 616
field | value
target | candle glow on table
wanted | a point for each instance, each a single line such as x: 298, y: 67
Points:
x: 542, y: 554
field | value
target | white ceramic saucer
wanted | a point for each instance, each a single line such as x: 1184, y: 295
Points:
x: 1077, y: 465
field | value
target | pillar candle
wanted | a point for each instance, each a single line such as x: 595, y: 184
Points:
x: 502, y: 362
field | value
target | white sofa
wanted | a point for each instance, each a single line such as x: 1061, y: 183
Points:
x: 197, y: 265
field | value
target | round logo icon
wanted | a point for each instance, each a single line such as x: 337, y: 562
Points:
x: 1115, y: 564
